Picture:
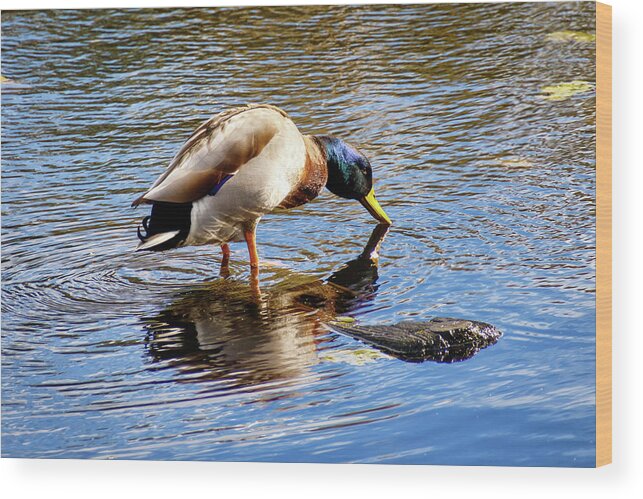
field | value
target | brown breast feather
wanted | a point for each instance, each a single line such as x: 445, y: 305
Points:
x: 313, y: 177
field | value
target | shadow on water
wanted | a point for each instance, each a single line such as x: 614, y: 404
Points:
x: 228, y: 331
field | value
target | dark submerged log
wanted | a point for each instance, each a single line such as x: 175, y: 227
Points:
x: 440, y: 339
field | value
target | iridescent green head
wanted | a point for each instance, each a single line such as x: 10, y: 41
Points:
x: 350, y: 175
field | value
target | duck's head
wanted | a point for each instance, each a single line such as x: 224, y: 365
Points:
x: 350, y: 175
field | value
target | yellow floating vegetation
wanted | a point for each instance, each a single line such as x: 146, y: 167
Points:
x: 572, y: 36
x: 516, y: 162
x: 355, y: 357
x: 562, y: 91
x: 344, y: 319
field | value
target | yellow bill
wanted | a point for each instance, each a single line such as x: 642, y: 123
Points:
x: 370, y: 203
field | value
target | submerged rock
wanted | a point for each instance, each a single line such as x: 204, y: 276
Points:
x: 440, y: 339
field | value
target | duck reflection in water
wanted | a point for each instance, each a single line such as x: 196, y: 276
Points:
x: 226, y: 331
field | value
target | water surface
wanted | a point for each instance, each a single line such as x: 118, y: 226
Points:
x: 108, y: 353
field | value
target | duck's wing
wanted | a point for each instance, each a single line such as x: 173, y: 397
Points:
x: 218, y: 148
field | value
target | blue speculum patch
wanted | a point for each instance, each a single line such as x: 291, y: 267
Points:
x: 219, y: 184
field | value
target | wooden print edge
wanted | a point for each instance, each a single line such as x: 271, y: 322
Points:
x: 603, y: 234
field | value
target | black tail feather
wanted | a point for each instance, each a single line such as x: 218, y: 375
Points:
x: 166, y: 217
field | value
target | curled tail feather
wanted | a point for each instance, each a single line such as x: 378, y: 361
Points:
x: 166, y: 227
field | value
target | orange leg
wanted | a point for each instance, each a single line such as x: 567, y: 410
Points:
x: 225, y: 261
x: 252, y: 248
x: 254, y: 259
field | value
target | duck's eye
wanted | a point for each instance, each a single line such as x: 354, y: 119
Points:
x: 364, y: 166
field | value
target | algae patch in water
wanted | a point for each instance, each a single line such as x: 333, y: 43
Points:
x: 354, y: 357
x: 346, y: 320
x: 516, y: 162
x: 572, y: 36
x: 562, y: 91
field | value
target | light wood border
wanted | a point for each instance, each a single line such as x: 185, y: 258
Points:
x: 603, y: 234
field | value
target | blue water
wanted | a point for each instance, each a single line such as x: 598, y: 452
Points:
x: 490, y: 184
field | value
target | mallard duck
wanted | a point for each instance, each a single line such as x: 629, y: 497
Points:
x: 240, y: 165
